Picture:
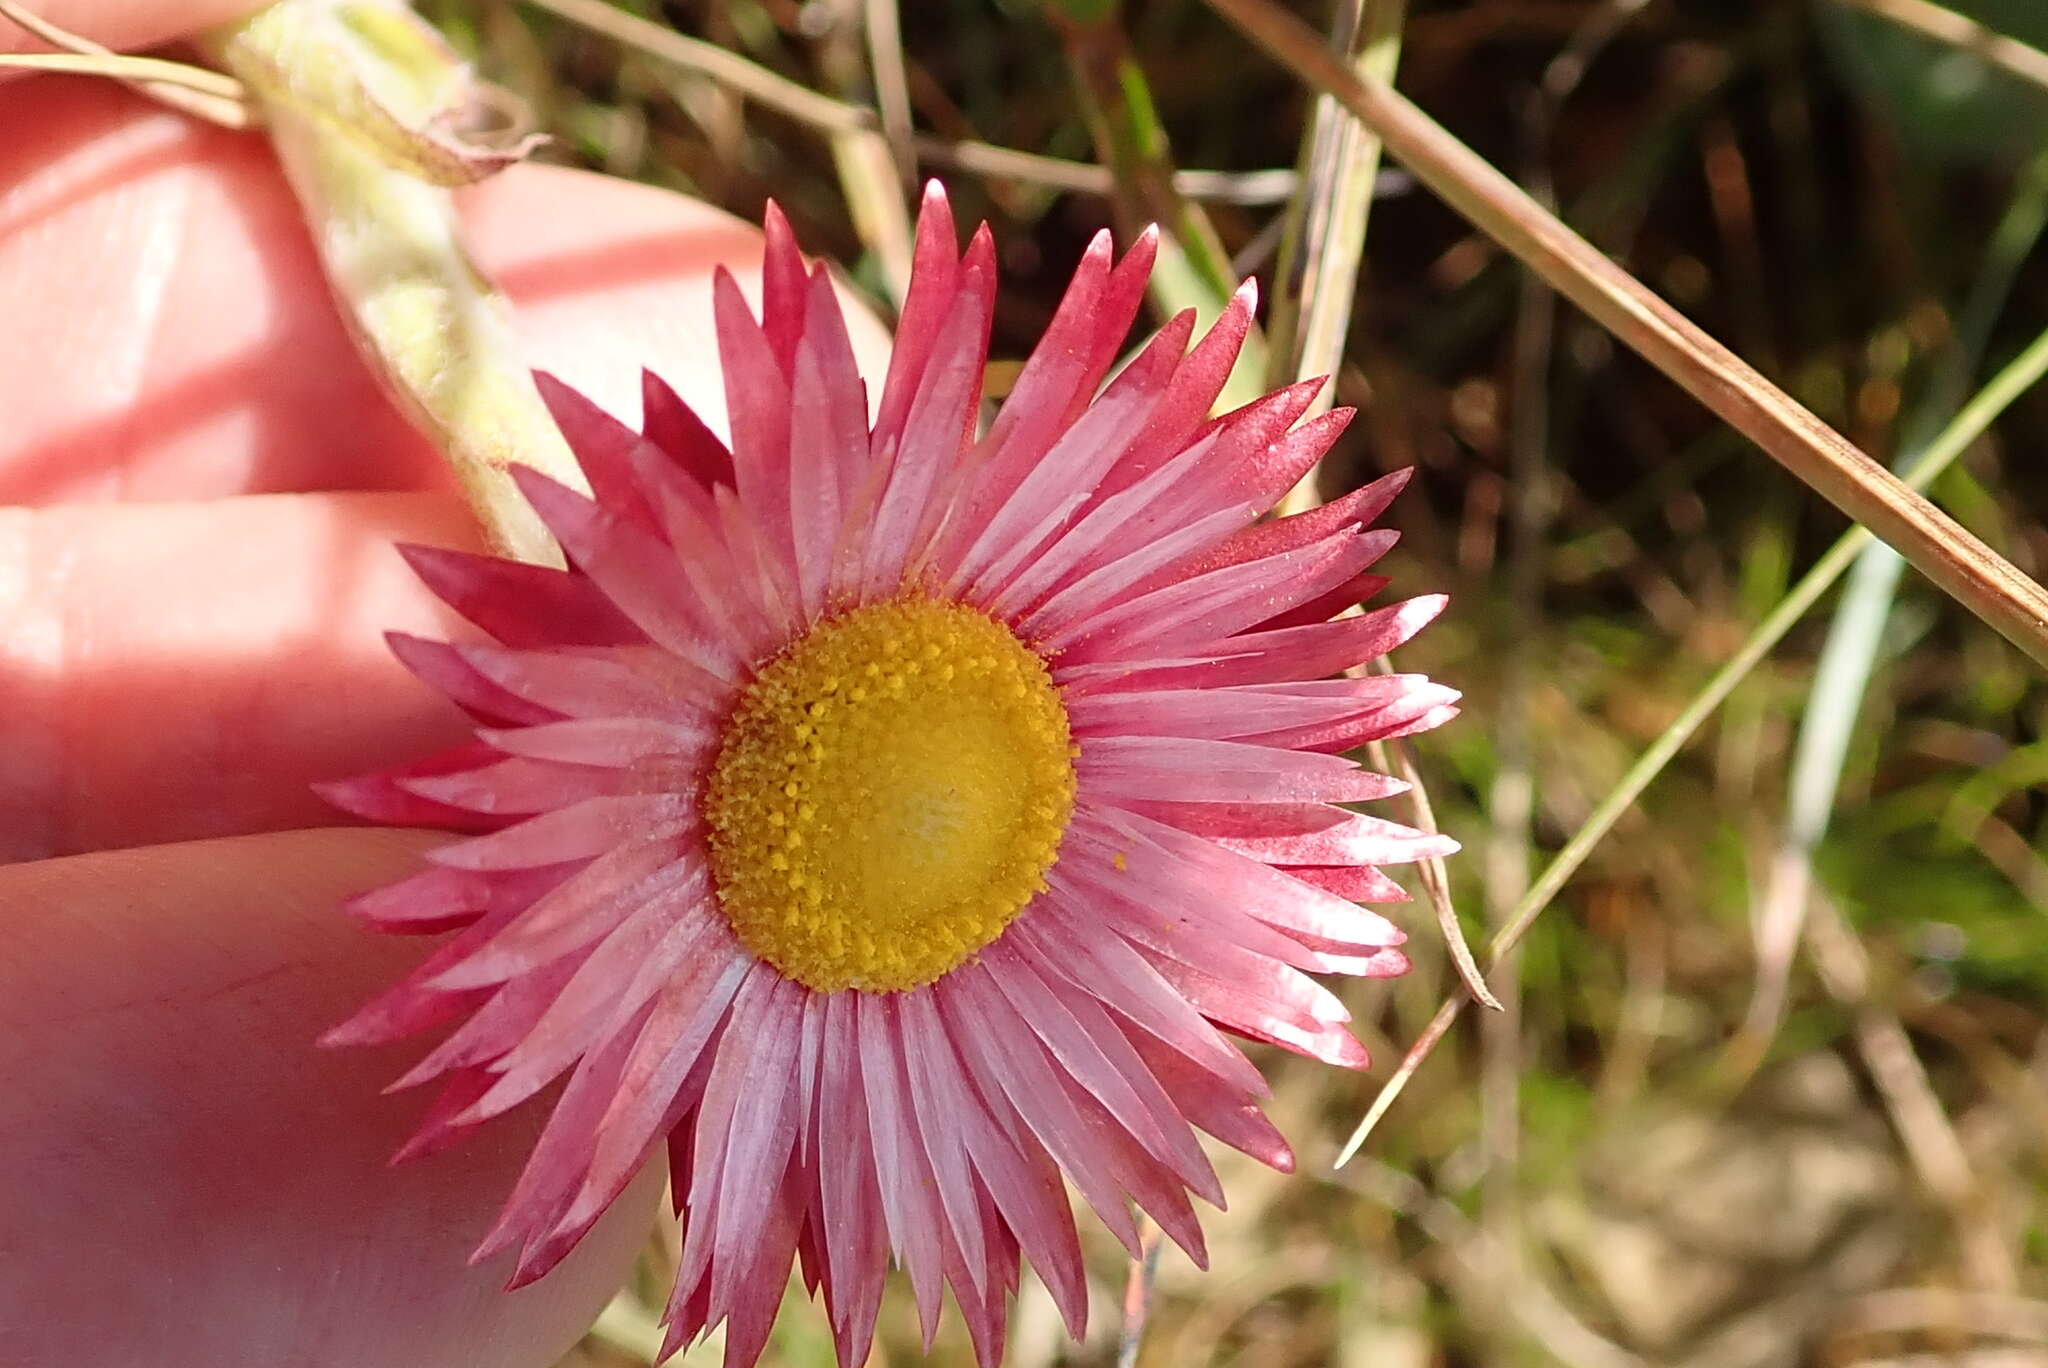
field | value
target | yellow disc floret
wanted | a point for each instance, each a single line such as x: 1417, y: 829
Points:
x: 889, y: 794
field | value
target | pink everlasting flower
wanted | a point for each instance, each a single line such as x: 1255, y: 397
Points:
x: 894, y: 818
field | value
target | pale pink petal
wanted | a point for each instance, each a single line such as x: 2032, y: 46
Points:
x: 1195, y: 770
x: 579, y: 832
x: 582, y: 908
x: 910, y: 1204
x: 595, y: 682
x: 608, y: 742
x: 828, y: 439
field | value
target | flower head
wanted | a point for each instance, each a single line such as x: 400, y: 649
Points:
x: 894, y: 818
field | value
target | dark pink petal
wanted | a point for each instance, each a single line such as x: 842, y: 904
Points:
x: 431, y: 900
x: 1236, y: 1121
x: 673, y: 946
x: 497, y: 1026
x: 678, y: 1030
x: 828, y: 439
x: 937, y: 1108
x: 1192, y: 394
x: 1095, y: 1055
x: 850, y: 1216
x: 1217, y: 603
x: 601, y: 445
x: 1206, y: 478
x: 692, y: 517
x: 1003, y: 537
x: 440, y: 1128
x: 1265, y: 893
x: 1012, y: 1066
x: 1420, y: 706
x: 584, y: 907
x: 382, y: 796
x: 610, y: 742
x: 757, y: 398
x: 443, y: 667
x: 934, y: 270
x: 674, y: 429
x: 548, y: 1181
x: 1359, y: 884
x: 1227, y: 714
x: 783, y: 279
x: 633, y: 569
x: 1066, y: 943
x: 1356, y: 509
x: 1323, y: 607
x: 1021, y: 1178
x: 939, y: 418
x: 1291, y: 653
x: 519, y: 604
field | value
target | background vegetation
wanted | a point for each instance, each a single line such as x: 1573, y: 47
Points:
x: 1642, y: 1159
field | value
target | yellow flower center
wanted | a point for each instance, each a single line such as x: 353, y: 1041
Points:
x: 889, y: 794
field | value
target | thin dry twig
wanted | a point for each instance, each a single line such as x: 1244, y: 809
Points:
x: 1313, y: 289
x: 1969, y: 424
x: 1395, y: 758
x: 1966, y: 569
x: 1930, y: 1139
x: 2023, y: 60
x: 892, y: 83
x: 830, y: 115
x: 208, y: 95
x: 1144, y: 1275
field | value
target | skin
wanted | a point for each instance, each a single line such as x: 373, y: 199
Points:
x: 199, y: 484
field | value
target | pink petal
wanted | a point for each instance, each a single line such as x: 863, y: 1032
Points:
x: 828, y: 439
x: 1095, y: 1055
x: 1006, y: 536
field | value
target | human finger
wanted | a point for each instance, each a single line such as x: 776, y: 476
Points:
x: 177, y: 339
x: 187, y: 1181
x: 174, y: 671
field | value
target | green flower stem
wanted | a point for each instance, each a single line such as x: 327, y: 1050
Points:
x: 356, y: 95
